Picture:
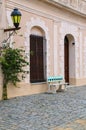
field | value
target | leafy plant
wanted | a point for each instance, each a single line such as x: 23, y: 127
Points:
x: 12, y: 63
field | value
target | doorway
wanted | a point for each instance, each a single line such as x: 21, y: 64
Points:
x: 69, y: 58
x: 66, y: 59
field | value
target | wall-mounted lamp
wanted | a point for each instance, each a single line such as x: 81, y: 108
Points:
x: 16, y: 17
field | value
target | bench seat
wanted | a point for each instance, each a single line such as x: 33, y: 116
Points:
x: 55, y: 84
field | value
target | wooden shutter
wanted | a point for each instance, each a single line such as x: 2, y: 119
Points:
x: 36, y: 59
x: 33, y: 67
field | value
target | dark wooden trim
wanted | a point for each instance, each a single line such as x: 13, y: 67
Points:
x: 11, y: 29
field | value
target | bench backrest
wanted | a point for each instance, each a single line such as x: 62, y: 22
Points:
x: 55, y: 78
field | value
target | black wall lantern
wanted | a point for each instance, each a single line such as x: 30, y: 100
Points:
x: 16, y: 17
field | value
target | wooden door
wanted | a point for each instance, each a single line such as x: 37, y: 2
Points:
x: 66, y: 59
x: 36, y: 59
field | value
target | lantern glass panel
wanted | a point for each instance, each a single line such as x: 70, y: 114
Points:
x: 16, y: 19
x: 19, y: 18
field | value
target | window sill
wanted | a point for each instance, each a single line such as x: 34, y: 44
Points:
x: 38, y: 83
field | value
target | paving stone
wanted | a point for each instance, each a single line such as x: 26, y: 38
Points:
x: 45, y: 111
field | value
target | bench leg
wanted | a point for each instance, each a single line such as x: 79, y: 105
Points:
x: 51, y: 88
x: 60, y: 88
x: 54, y: 88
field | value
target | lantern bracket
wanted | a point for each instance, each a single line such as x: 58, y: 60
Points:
x: 11, y: 29
x: 10, y: 34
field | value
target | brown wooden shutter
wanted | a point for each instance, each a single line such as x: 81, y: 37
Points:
x: 36, y: 59
x: 33, y: 67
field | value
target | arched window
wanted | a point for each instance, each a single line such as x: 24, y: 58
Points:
x: 37, y: 55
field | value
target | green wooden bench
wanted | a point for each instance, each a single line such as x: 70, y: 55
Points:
x: 54, y: 82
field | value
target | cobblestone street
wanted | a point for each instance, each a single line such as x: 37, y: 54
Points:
x: 61, y: 111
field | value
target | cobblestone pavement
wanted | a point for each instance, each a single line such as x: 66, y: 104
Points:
x: 61, y: 111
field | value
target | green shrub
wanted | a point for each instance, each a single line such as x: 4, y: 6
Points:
x: 12, y: 64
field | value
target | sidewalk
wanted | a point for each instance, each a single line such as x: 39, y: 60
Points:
x: 79, y: 124
x: 60, y: 111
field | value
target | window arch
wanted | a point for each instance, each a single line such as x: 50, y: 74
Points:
x: 37, y: 31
